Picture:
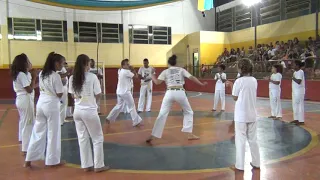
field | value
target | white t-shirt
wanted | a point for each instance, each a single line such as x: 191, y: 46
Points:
x: 245, y: 88
x: 125, y: 82
x: 65, y: 79
x: 96, y: 71
x: 50, y: 87
x: 90, y: 88
x: 298, y: 88
x: 23, y: 80
x: 275, y: 77
x: 147, y: 73
x: 174, y: 76
x: 219, y: 84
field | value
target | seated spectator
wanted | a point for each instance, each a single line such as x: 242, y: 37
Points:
x: 242, y: 52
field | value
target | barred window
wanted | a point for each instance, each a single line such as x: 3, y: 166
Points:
x: 270, y: 11
x: 242, y: 17
x: 85, y: 32
x: 139, y: 34
x: 35, y: 29
x: 225, y: 20
x: 111, y: 33
x: 54, y: 30
x: 295, y: 8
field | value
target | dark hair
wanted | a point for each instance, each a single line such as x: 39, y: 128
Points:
x: 79, y: 73
x: 279, y: 68
x: 19, y: 64
x: 246, y: 66
x: 222, y: 66
x: 124, y: 61
x: 298, y: 63
x: 146, y: 59
x: 50, y: 63
x: 172, y: 60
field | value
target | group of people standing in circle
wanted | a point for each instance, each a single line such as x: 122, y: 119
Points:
x: 41, y: 133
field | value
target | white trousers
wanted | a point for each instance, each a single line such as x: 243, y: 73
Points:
x: 88, y: 125
x: 170, y: 97
x: 46, y: 134
x: 275, y: 103
x: 128, y: 100
x: 298, y: 106
x: 219, y: 94
x: 25, y: 106
x: 145, y: 89
x: 64, y: 105
x: 244, y: 131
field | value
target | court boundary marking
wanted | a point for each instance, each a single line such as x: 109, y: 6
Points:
x: 312, y: 144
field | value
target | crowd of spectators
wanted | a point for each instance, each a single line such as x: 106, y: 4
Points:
x: 265, y: 55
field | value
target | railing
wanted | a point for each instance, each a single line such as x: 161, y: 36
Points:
x: 261, y: 69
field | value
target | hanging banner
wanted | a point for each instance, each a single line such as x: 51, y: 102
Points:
x: 205, y: 5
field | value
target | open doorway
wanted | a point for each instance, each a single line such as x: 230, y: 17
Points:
x: 195, y: 64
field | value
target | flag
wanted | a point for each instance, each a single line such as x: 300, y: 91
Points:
x: 205, y: 5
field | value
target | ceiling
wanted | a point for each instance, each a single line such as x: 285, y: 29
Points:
x: 103, y: 4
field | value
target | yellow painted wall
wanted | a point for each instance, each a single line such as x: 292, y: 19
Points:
x: 212, y: 43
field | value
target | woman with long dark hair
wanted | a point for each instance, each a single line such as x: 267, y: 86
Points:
x: 86, y: 90
x: 174, y: 78
x: 46, y: 133
x: 24, y: 83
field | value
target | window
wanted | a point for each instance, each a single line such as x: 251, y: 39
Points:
x: 295, y: 8
x: 270, y: 11
x: 149, y: 34
x: 242, y: 17
x: 225, y: 20
x: 35, y: 29
x: 98, y: 32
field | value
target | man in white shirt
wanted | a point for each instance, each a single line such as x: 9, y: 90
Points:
x: 298, y: 93
x: 124, y: 94
x: 97, y: 71
x: 220, y: 89
x: 64, y: 99
x: 145, y: 74
x: 244, y: 92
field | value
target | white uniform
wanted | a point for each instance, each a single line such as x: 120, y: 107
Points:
x: 25, y: 106
x: 64, y: 98
x: 274, y: 95
x: 245, y: 116
x: 146, y: 88
x: 174, y: 77
x: 97, y: 72
x: 220, y: 91
x: 46, y: 133
x: 298, y: 92
x: 87, y: 122
x: 124, y: 95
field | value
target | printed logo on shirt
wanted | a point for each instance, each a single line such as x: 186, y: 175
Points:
x: 174, y: 76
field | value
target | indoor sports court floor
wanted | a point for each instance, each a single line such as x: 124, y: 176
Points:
x: 287, y: 151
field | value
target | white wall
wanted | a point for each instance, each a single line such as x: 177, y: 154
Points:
x: 182, y: 16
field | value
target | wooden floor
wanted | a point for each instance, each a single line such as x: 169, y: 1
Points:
x: 287, y: 151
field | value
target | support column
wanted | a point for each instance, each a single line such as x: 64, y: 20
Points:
x: 4, y: 43
x: 71, y: 48
x: 126, y: 44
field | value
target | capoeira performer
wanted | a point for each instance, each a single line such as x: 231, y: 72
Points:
x: 174, y: 79
x: 46, y: 133
x: 64, y: 99
x: 97, y: 71
x: 298, y: 93
x: 85, y: 89
x: 124, y: 94
x: 244, y: 92
x: 275, y: 92
x: 220, y: 89
x: 24, y: 84
x: 145, y: 74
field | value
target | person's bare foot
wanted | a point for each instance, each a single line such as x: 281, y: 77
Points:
x: 27, y: 164
x: 213, y: 110
x: 271, y: 117
x: 23, y: 153
x: 62, y: 162
x: 88, y: 169
x: 108, y: 121
x: 98, y: 170
x: 151, y: 138
x: 193, y: 137
x: 294, y: 122
x: 235, y: 169
x: 278, y: 118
